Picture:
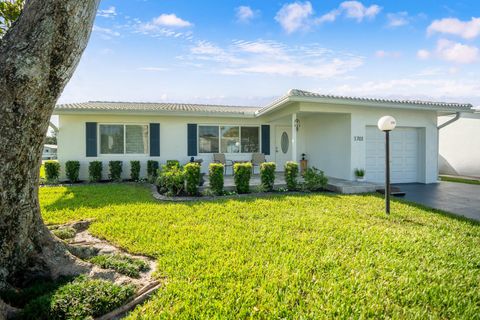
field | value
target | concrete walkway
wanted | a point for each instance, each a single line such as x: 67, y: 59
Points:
x: 457, y: 198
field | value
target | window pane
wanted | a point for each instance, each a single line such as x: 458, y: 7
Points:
x: 136, y: 139
x: 250, y: 139
x: 208, y: 139
x: 111, y: 139
x: 230, y: 139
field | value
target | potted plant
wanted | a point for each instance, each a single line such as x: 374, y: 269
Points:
x: 360, y: 174
x: 303, y: 163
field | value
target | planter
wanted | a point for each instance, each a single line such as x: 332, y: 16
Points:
x: 360, y: 179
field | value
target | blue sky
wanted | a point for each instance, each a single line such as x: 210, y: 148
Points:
x: 250, y: 52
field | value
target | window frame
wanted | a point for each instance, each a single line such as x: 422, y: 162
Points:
x: 124, y: 124
x: 220, y: 137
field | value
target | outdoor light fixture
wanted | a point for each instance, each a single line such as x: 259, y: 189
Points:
x: 297, y: 124
x: 387, y: 124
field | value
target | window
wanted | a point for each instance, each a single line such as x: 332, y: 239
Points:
x: 228, y: 139
x: 250, y: 139
x: 208, y: 139
x: 121, y: 139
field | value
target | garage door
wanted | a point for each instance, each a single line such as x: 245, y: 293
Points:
x: 404, y: 162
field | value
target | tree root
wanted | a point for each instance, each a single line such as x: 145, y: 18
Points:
x: 7, y: 311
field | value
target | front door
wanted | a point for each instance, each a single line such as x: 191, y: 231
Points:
x: 283, y: 146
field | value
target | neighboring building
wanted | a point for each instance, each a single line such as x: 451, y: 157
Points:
x: 49, y: 152
x: 338, y: 134
x: 460, y: 145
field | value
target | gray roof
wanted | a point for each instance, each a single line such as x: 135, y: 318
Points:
x: 225, y: 110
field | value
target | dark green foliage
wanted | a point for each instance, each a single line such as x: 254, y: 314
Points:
x: 65, y: 232
x: 121, y: 263
x: 173, y: 163
x: 359, y: 173
x: 192, y: 178
x: 291, y: 175
x: 9, y: 12
x: 52, y: 171
x: 171, y: 180
x: 115, y: 170
x: 152, y: 167
x: 242, y: 173
x: 314, y: 179
x: 215, y: 175
x: 95, y: 171
x: 72, y: 169
x: 135, y: 170
x: 267, y: 175
x: 80, y: 299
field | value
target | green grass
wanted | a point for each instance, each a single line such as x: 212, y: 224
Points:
x: 312, y: 256
x: 65, y: 233
x: 121, y: 263
x: 460, y: 180
x: 42, y: 171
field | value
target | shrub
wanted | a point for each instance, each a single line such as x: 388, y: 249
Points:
x: 173, y: 163
x: 171, y: 180
x: 121, y: 263
x: 135, y: 170
x: 242, y: 173
x: 192, y: 178
x: 267, y: 175
x: 359, y: 173
x: 115, y: 168
x: 152, y: 167
x: 52, y: 171
x: 215, y: 175
x: 95, y: 171
x: 291, y: 175
x: 314, y: 179
x: 72, y: 169
x: 65, y: 233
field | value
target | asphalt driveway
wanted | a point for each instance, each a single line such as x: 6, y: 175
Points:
x: 457, y: 198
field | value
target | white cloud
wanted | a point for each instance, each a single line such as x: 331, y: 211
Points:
x: 356, y: 10
x: 423, y: 54
x: 245, y: 14
x: 387, y: 54
x: 295, y: 16
x: 328, y: 17
x: 456, y: 52
x: 465, y: 29
x: 398, y: 19
x: 110, y: 12
x: 153, y: 69
x: 171, y: 20
x: 105, y: 33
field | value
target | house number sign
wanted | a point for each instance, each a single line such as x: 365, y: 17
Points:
x: 358, y: 138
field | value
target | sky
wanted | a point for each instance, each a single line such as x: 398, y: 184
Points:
x: 252, y: 52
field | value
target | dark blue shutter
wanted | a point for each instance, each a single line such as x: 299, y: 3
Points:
x: 266, y: 139
x: 91, y: 139
x: 154, y: 139
x: 192, y: 139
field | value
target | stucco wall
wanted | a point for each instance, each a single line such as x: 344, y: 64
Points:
x: 173, y: 140
x: 460, y: 146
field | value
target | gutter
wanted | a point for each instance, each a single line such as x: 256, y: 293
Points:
x: 449, y: 122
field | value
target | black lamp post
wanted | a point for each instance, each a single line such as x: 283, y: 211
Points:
x: 387, y: 124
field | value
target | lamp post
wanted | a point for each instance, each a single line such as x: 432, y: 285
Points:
x: 387, y: 124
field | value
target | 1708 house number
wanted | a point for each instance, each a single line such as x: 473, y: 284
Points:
x: 358, y: 138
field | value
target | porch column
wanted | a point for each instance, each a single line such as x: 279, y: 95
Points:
x: 294, y: 137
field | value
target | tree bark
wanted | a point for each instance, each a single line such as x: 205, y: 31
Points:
x: 37, y: 58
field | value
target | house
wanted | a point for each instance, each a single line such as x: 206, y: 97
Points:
x: 460, y: 145
x: 49, y: 152
x: 337, y: 134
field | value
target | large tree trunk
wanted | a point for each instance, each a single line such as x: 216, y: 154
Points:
x: 37, y: 58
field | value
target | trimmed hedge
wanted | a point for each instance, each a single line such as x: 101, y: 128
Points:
x: 215, y: 176
x: 152, y: 170
x: 291, y: 175
x: 95, y: 171
x: 314, y: 179
x: 115, y: 170
x: 171, y: 181
x: 52, y: 171
x: 192, y: 178
x: 173, y: 163
x: 242, y: 173
x: 135, y: 170
x: 267, y: 175
x: 72, y: 169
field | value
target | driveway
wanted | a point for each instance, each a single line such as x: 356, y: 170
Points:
x: 457, y: 198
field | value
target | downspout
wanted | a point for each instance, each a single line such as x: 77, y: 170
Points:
x: 457, y: 116
x: 54, y: 127
x: 443, y: 125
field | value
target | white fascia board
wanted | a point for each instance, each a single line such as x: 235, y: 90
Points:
x: 153, y: 113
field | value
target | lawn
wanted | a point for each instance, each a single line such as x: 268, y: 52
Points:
x: 312, y: 256
x: 459, y: 180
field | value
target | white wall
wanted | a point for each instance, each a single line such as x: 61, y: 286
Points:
x: 173, y: 141
x: 460, y: 146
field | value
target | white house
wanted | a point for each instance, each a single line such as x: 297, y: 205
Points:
x: 337, y: 134
x: 460, y: 145
x: 49, y: 152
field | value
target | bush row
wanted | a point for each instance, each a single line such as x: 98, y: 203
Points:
x: 175, y: 180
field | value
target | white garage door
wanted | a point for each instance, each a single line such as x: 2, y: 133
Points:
x: 404, y: 163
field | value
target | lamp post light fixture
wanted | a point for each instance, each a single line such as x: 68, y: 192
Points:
x: 387, y: 124
x: 297, y: 124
